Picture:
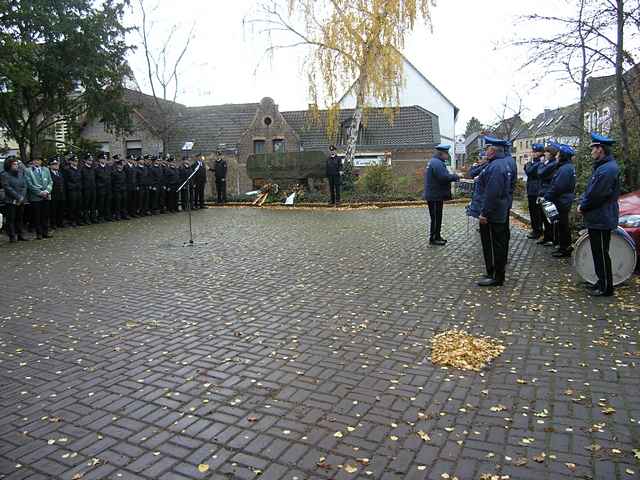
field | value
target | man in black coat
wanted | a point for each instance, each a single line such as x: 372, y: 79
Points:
x: 172, y: 182
x: 119, y: 191
x: 73, y: 190
x: 155, y: 184
x: 220, y: 172
x: 88, y: 191
x: 334, y: 171
x: 186, y: 194
x: 199, y: 181
x: 131, y: 178
x: 58, y: 195
x: 103, y: 189
x: 144, y: 164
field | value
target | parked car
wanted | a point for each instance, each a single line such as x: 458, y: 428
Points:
x: 630, y: 217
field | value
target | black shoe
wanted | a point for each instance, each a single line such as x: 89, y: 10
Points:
x: 442, y: 239
x: 548, y: 244
x: 12, y: 239
x: 533, y: 235
x: 490, y: 282
x: 440, y: 243
x: 22, y: 239
x: 561, y: 254
x: 599, y: 293
x: 541, y: 241
x: 591, y: 286
x: 38, y: 237
x: 48, y: 235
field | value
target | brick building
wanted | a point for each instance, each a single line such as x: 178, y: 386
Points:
x: 239, y: 130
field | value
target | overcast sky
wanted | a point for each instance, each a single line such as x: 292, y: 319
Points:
x: 466, y: 56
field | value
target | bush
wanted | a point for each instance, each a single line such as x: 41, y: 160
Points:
x: 376, y: 179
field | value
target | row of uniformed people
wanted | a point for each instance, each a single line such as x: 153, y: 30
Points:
x: 108, y: 189
x: 554, y: 181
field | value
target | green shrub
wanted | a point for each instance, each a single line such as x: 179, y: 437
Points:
x: 376, y: 179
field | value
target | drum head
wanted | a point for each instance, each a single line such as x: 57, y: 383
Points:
x: 622, y: 252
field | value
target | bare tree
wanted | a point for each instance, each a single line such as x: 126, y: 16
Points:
x: 508, y: 122
x: 163, y: 74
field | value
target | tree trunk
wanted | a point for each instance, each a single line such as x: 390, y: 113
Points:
x: 624, y: 133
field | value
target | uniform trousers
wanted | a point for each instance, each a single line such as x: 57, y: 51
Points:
x: 536, y: 214
x: 40, y: 211
x: 600, y: 241
x: 495, y: 247
x: 435, y: 214
x: 221, y: 189
x: 335, y: 184
x: 57, y: 212
x: 563, y: 230
x: 15, y: 218
x: 74, y: 206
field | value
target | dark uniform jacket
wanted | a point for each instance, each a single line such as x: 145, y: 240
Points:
x: 58, y: 190
x: 200, y: 178
x: 131, y: 173
x: 334, y: 166
x: 103, y: 178
x: 155, y: 176
x: 15, y: 186
x: 562, y: 191
x: 437, y: 181
x: 171, y: 177
x: 73, y: 179
x: 118, y: 181
x: 144, y: 176
x: 477, y: 197
x: 533, y: 179
x: 495, y: 183
x: 545, y: 174
x: 599, y: 203
x: 88, y: 178
x: 220, y: 168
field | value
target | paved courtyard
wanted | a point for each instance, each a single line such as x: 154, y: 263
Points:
x: 296, y: 345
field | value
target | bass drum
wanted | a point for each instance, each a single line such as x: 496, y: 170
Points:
x: 622, y: 251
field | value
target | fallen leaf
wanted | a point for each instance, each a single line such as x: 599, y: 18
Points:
x: 636, y: 453
x: 540, y: 458
x: 608, y: 410
x: 350, y: 468
x: 520, y: 462
x: 338, y: 435
x: 571, y: 466
x: 424, y: 436
x: 203, y: 468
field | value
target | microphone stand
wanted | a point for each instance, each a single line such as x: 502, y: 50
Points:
x: 187, y: 182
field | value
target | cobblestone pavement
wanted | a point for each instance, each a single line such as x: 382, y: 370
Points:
x: 296, y: 345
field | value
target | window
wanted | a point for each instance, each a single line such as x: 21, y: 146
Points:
x: 258, y: 146
x: 278, y: 145
x: 134, y: 147
x: 105, y: 147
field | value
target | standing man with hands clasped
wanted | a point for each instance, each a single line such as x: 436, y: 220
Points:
x: 39, y: 186
x: 220, y: 173
x: 600, y: 210
x: 437, y: 189
x: 334, y: 171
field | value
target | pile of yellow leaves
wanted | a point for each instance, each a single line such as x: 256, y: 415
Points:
x: 458, y: 349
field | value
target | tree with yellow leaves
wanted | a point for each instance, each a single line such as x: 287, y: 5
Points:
x: 351, y: 43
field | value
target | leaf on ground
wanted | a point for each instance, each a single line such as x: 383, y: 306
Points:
x: 540, y: 458
x: 203, y: 468
x: 424, y: 436
x: 349, y: 468
x: 571, y: 466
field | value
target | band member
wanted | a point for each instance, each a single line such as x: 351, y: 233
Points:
x: 89, y: 191
x: 73, y: 186
x: 58, y: 195
x: 220, y: 173
x: 334, y: 172
x: 437, y: 189
x: 546, y: 171
x: 199, y: 181
x: 131, y: 174
x: 103, y: 189
x: 39, y: 187
x: 119, y: 191
x: 477, y: 196
x: 495, y: 183
x: 15, y: 188
x: 599, y: 207
x: 533, y: 190
x: 562, y: 194
x: 155, y: 186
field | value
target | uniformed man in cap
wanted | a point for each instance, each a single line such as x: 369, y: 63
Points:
x: 155, y: 185
x: 599, y: 208
x: 186, y: 194
x: 131, y: 174
x: 119, y: 191
x: 334, y: 172
x: 88, y: 190
x: 144, y: 165
x: 546, y: 171
x: 199, y: 182
x: 172, y: 175
x: 220, y: 174
x: 103, y: 189
x: 58, y: 195
x: 562, y: 193
x: 495, y: 183
x: 437, y: 189
x: 533, y: 190
x: 73, y: 185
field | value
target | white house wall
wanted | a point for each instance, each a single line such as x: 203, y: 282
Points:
x: 417, y: 91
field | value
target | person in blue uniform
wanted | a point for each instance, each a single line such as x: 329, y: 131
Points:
x: 562, y: 193
x: 495, y: 184
x: 533, y: 190
x: 546, y: 171
x: 477, y: 196
x: 437, y: 189
x: 599, y: 208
